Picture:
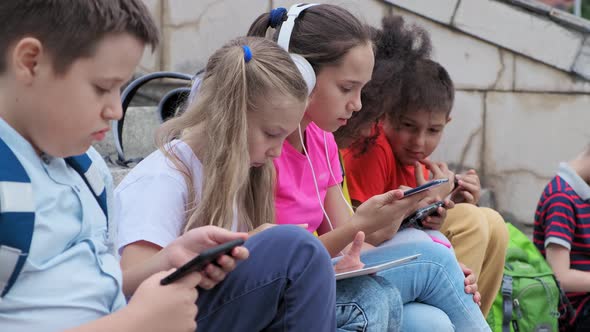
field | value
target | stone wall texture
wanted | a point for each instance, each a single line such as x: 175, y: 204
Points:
x: 522, y: 105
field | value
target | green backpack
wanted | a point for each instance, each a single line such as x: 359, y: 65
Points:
x: 530, y: 296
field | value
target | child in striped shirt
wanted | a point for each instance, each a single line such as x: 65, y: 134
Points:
x: 562, y: 234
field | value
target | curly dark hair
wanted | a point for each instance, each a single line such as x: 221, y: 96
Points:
x: 401, y: 82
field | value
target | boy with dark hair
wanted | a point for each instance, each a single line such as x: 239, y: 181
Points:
x: 62, y: 65
x: 562, y: 234
x: 415, y: 96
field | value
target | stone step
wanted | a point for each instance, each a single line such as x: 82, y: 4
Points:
x: 138, y: 134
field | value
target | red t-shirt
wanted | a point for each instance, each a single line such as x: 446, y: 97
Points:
x: 376, y: 171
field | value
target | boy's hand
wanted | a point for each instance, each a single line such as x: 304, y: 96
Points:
x: 200, y: 239
x: 471, y: 283
x: 469, y: 190
x: 165, y: 308
x: 351, y: 260
x: 439, y: 170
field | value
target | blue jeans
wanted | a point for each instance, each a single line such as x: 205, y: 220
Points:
x: 435, y: 278
x: 424, y: 317
x: 287, y: 284
x: 368, y: 303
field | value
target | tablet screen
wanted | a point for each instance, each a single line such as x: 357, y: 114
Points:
x: 370, y: 269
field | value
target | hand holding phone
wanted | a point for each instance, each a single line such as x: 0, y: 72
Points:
x: 200, y: 261
x: 416, y: 219
x: 426, y: 186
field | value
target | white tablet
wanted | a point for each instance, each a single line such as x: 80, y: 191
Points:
x: 374, y: 268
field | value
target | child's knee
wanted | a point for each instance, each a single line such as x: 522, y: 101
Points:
x: 497, y: 226
x: 435, y: 252
x: 424, y: 317
x: 466, y: 219
x: 294, y: 242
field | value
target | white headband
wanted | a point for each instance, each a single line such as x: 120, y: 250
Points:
x: 285, y: 38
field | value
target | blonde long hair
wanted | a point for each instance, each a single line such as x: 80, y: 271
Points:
x: 229, y: 90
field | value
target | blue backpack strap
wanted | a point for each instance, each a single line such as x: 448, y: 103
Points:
x: 17, y: 217
x: 89, y: 172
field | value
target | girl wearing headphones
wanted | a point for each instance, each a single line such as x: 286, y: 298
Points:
x: 339, y: 50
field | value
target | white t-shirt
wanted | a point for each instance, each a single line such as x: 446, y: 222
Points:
x: 151, y: 200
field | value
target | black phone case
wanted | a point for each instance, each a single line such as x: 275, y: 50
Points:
x: 200, y: 261
x: 416, y: 218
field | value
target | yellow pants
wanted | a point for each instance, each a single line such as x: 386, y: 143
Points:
x: 479, y: 237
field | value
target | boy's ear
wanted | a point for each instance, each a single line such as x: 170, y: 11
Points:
x: 448, y: 120
x: 26, y: 57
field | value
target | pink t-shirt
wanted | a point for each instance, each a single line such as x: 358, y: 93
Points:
x: 296, y: 197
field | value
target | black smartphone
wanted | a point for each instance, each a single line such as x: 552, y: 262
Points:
x: 416, y: 218
x: 427, y: 185
x: 200, y: 261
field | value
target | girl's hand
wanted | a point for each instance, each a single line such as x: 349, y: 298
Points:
x: 469, y: 190
x: 386, y: 211
x: 200, y: 239
x: 471, y: 284
x: 351, y: 260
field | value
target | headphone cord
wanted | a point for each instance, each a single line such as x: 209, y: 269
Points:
x: 334, y: 177
x: 317, y: 190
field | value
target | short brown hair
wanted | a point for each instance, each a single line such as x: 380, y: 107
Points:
x: 426, y: 86
x: 70, y: 29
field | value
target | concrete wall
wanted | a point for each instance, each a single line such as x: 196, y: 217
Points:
x: 521, y: 105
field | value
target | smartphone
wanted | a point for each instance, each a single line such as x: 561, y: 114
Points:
x: 200, y: 261
x: 427, y: 185
x: 416, y: 218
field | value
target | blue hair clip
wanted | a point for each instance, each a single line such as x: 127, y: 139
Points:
x: 247, y: 53
x: 276, y: 17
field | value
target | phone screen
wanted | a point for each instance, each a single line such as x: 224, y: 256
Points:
x: 201, y: 260
x: 431, y: 184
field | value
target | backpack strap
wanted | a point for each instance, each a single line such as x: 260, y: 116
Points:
x: 506, y: 302
x: 88, y: 171
x: 17, y: 210
x: 17, y: 217
x: 569, y: 312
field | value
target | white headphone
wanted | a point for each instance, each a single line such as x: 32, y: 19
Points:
x: 285, y: 38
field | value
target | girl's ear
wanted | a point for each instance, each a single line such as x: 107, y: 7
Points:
x: 449, y: 118
x: 26, y: 58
